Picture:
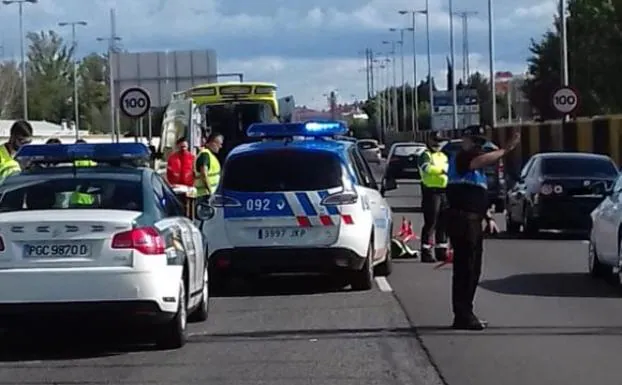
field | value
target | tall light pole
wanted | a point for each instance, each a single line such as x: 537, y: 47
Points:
x: 564, y: 35
x: 415, y: 89
x: 401, y: 43
x: 429, y: 47
x: 394, y: 90
x: 76, y: 102
x: 20, y: 4
x: 452, y: 48
x: 491, y: 62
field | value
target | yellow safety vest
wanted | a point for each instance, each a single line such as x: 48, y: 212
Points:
x: 213, y: 174
x: 79, y: 198
x: 8, y: 165
x: 84, y: 163
x: 434, y: 170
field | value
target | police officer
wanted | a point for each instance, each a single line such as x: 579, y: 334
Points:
x: 468, y: 203
x: 207, y: 167
x: 433, y: 166
x: 84, y: 162
x: 20, y: 134
x: 81, y: 197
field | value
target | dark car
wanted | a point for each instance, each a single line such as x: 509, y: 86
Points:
x: 559, y: 191
x: 495, y: 174
x: 403, y: 161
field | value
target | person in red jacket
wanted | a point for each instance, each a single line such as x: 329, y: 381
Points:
x: 179, y: 167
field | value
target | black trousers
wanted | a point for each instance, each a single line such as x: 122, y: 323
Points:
x: 434, y: 206
x: 467, y: 237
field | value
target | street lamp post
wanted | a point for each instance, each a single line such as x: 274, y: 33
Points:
x: 491, y: 62
x: 415, y: 89
x: 452, y: 48
x: 394, y: 91
x: 564, y: 35
x: 401, y: 44
x: 111, y: 45
x: 20, y: 4
x: 76, y: 102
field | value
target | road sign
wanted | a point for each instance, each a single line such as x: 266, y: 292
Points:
x: 565, y: 100
x: 135, y: 102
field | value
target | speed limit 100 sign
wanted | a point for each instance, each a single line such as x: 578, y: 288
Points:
x: 565, y: 100
x: 135, y: 102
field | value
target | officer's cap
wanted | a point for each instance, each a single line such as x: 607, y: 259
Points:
x: 478, y: 133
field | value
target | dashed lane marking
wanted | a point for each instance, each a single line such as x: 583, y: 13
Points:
x: 383, y: 284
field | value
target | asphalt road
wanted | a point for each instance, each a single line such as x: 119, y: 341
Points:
x: 549, y: 322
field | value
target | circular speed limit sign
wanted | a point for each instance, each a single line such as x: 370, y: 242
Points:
x: 565, y: 100
x: 135, y: 102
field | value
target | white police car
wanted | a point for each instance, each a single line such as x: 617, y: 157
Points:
x: 107, y: 244
x: 298, y: 200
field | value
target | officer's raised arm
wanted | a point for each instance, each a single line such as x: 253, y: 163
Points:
x: 491, y: 158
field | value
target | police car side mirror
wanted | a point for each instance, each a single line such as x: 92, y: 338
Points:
x: 389, y: 184
x: 204, y: 211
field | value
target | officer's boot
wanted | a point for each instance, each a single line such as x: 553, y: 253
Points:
x: 426, y: 254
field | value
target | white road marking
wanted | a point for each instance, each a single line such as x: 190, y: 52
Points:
x: 383, y: 284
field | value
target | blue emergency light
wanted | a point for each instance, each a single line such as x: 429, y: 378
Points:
x: 97, y: 152
x: 315, y: 128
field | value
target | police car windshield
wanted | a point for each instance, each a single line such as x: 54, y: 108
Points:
x: 283, y: 170
x: 73, y: 193
x: 579, y: 167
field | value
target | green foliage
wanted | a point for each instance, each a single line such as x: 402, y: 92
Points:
x: 50, y: 66
x: 594, y: 41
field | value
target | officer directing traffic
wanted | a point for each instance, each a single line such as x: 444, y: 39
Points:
x: 468, y: 203
x: 433, y: 166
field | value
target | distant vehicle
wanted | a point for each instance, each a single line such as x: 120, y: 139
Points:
x: 109, y: 242
x: 403, y: 161
x: 496, y: 174
x: 370, y: 150
x: 559, y: 191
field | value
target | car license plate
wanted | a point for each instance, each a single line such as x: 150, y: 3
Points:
x: 280, y: 233
x: 410, y: 170
x: 57, y: 250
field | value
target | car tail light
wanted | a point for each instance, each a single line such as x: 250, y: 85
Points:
x: 147, y: 240
x: 341, y: 198
x: 224, y: 201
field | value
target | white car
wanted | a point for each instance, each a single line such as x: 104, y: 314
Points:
x: 122, y: 253
x: 604, y: 254
x: 308, y: 205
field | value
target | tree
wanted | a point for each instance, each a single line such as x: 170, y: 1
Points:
x: 10, y: 82
x: 594, y: 47
x: 94, y: 96
x: 50, y: 81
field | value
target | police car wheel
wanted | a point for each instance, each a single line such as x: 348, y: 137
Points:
x: 172, y: 335
x: 202, y: 311
x: 363, y: 279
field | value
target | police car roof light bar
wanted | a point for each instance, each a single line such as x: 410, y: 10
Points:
x: 97, y: 152
x: 315, y: 128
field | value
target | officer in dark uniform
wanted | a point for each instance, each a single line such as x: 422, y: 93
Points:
x: 468, y: 204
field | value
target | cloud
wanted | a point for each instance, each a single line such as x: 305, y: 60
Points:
x: 290, y: 42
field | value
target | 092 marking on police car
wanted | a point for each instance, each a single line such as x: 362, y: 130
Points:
x: 258, y: 204
x: 60, y: 250
x: 280, y: 233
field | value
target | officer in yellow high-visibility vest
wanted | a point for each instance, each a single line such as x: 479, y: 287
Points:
x: 433, y: 166
x: 20, y: 135
x: 80, y: 198
x: 207, y: 167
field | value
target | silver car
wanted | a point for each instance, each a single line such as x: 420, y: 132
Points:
x: 370, y: 150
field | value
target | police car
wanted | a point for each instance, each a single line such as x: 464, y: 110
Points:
x: 300, y: 200
x: 126, y: 253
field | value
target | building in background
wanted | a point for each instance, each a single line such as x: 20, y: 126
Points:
x: 468, y: 109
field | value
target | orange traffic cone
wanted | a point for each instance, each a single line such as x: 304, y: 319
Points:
x: 403, y: 228
x: 450, y: 259
x: 410, y: 233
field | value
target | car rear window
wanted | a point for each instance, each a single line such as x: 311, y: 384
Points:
x: 579, y: 166
x: 60, y: 193
x: 408, y: 150
x: 367, y: 145
x: 283, y: 170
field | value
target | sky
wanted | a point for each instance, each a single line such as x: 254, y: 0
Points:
x: 308, y: 48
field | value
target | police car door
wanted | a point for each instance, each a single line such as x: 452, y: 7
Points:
x: 372, y: 201
x: 178, y: 232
